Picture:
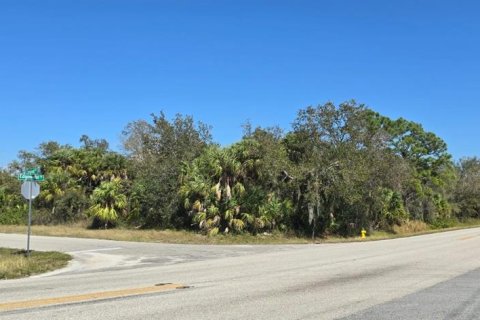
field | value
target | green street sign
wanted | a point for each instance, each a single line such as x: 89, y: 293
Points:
x: 31, y: 172
x: 30, y: 176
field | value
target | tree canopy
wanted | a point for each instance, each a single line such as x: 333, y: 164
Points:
x: 339, y: 169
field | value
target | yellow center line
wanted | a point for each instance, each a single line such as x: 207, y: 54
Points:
x: 9, y: 306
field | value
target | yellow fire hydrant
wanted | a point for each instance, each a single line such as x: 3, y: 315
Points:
x: 363, y: 234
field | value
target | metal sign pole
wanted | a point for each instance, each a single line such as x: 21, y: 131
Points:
x: 30, y: 190
x: 29, y: 217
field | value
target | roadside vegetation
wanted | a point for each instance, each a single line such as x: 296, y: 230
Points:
x: 338, y: 170
x: 151, y: 235
x: 14, y: 263
x: 407, y: 229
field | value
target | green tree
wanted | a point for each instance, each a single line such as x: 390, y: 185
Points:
x: 156, y: 151
x: 71, y: 175
x: 212, y: 186
x: 428, y: 193
x: 467, y: 190
x: 108, y: 201
x: 267, y: 178
x: 12, y: 205
x: 344, y: 162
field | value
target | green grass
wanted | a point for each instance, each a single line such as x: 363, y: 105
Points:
x: 14, y: 263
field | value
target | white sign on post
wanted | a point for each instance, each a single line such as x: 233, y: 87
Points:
x: 30, y: 186
x: 30, y: 190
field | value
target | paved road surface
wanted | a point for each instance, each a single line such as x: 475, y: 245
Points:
x: 428, y: 277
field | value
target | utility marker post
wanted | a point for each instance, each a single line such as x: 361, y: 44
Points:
x: 30, y: 190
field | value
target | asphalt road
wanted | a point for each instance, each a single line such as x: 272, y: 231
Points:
x: 434, y: 276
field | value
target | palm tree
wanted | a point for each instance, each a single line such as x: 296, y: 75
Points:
x: 108, y: 201
x: 211, y: 188
x: 55, y: 186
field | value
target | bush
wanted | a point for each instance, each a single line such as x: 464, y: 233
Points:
x: 13, y: 216
x: 410, y: 226
x: 443, y: 223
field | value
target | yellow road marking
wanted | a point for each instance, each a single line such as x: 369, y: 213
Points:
x: 9, y: 306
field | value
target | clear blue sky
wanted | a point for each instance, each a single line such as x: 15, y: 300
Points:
x: 74, y: 67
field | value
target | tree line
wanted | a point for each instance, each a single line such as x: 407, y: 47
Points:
x: 340, y: 168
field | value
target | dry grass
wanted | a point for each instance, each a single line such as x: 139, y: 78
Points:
x: 164, y: 236
x: 412, y: 226
x: 14, y: 263
x: 408, y: 229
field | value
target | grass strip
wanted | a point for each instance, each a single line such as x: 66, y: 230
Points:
x: 163, y: 236
x: 189, y: 237
x: 14, y: 263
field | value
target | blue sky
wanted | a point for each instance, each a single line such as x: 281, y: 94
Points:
x: 69, y: 68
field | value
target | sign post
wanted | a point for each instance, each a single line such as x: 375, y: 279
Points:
x: 30, y: 190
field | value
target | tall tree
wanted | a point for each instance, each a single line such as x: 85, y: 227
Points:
x: 427, y: 196
x: 467, y: 191
x: 344, y: 164
x: 157, y: 151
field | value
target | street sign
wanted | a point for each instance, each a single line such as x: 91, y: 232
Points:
x: 32, y: 171
x: 28, y: 177
x: 30, y: 190
x: 31, y: 175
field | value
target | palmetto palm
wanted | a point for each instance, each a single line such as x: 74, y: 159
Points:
x: 108, y: 201
x: 54, y: 187
x: 211, y: 189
